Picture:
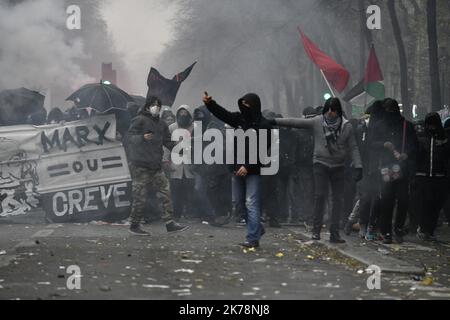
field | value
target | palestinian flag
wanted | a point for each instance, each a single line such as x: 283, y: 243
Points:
x: 369, y: 89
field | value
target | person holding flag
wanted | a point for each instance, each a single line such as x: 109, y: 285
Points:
x: 334, y: 141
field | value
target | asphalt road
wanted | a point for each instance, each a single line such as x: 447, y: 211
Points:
x: 203, y: 263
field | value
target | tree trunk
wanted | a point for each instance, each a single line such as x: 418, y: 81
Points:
x: 291, y: 106
x: 362, y: 39
x: 363, y: 16
x: 407, y: 110
x: 436, y: 103
x: 276, y: 96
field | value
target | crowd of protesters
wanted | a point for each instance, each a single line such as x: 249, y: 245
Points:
x: 381, y: 174
x: 365, y: 172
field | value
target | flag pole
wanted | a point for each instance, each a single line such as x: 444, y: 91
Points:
x: 328, y: 84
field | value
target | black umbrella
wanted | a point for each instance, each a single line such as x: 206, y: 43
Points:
x: 101, y: 97
x: 17, y: 104
x: 23, y: 99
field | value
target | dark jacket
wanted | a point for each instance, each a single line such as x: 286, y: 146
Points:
x: 143, y: 153
x: 346, y: 144
x: 289, y: 149
x: 392, y: 129
x: 248, y: 118
x: 434, y: 150
x: 305, y: 152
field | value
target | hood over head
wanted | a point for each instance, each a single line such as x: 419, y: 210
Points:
x: 184, y: 121
x: 392, y: 112
x: 202, y: 114
x: 252, y: 113
x: 433, y: 124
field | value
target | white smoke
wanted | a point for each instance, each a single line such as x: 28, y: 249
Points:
x: 35, y: 51
x: 140, y: 30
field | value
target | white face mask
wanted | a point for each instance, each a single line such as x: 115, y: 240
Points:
x: 155, y: 110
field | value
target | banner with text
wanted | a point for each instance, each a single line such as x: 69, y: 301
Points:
x: 78, y: 170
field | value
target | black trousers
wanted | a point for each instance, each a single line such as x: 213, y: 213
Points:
x: 306, y: 192
x: 447, y: 207
x: 433, y: 194
x: 183, y: 196
x: 392, y: 192
x: 323, y: 177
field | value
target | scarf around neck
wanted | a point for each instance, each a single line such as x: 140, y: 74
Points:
x: 332, y: 125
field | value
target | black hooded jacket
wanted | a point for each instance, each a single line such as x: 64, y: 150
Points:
x: 143, y: 153
x: 434, y: 149
x: 391, y: 129
x: 246, y: 119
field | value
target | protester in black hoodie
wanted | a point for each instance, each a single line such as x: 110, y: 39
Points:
x: 370, y: 185
x: 432, y: 175
x: 246, y: 176
x: 395, y: 141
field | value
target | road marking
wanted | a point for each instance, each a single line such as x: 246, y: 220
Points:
x: 43, y: 233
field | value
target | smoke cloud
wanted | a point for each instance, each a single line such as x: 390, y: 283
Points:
x: 35, y: 52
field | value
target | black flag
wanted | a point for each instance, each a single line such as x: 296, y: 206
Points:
x: 166, y: 89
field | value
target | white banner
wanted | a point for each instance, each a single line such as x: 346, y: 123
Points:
x: 45, y: 160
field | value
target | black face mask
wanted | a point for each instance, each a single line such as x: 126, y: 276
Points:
x: 184, y: 121
x: 249, y: 114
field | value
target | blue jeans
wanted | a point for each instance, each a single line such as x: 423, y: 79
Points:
x: 247, y: 194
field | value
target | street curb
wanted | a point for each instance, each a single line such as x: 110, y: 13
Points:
x: 369, y: 256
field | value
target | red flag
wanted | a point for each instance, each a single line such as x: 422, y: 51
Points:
x: 373, y: 70
x: 336, y: 74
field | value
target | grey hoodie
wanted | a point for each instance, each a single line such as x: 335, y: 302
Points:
x: 346, y: 143
x: 182, y: 170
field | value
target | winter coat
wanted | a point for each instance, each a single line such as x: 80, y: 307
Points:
x: 392, y: 129
x: 434, y: 151
x: 182, y: 170
x: 143, y: 153
x: 288, y: 149
x: 246, y: 119
x: 305, y: 149
x: 345, y: 144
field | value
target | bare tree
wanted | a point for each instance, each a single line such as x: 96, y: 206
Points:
x: 402, y: 59
x: 436, y: 102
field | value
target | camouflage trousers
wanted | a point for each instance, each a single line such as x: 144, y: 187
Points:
x: 146, y: 181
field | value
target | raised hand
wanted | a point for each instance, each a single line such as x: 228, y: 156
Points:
x: 206, y: 98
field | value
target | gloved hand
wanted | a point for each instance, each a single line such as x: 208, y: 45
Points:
x: 357, y: 174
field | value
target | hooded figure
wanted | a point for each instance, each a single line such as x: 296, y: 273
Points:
x: 182, y: 179
x: 249, y: 117
x: 184, y: 120
x: 432, y: 177
x: 246, y: 180
x: 395, y: 141
x: 202, y: 114
x: 369, y: 204
x: 55, y: 116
